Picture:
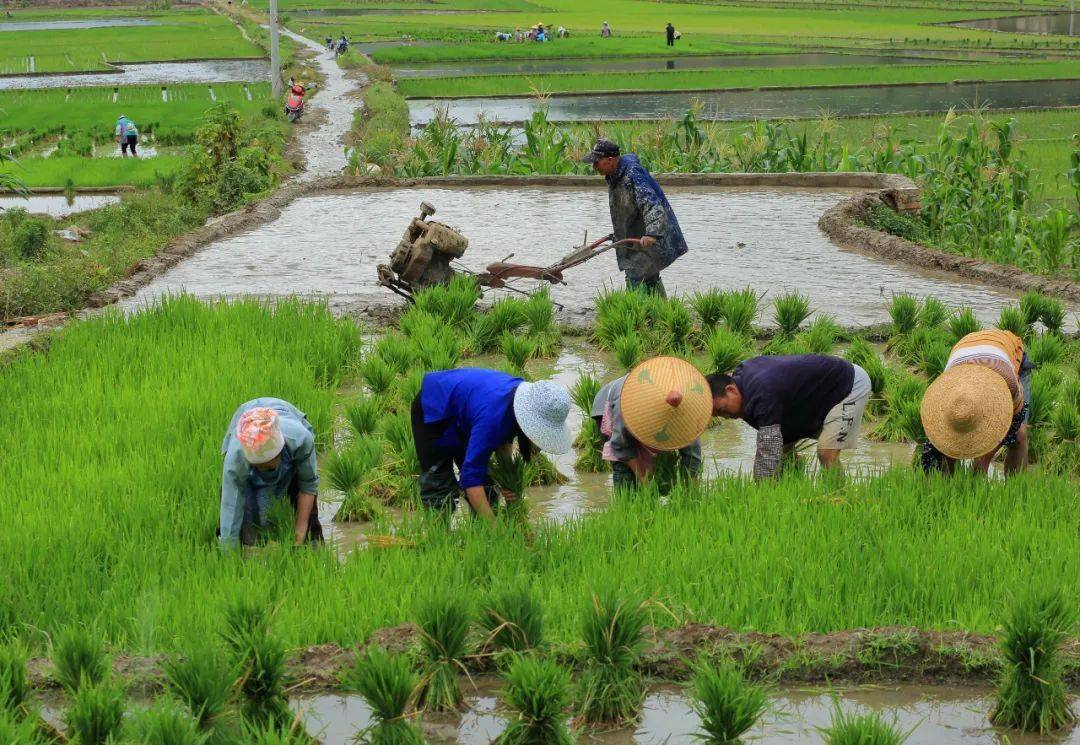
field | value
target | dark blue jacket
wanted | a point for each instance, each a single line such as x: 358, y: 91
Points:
x: 639, y: 208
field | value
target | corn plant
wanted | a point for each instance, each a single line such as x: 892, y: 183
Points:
x: 611, y: 690
x: 96, y: 714
x: 260, y: 658
x: 79, y: 658
x: 738, y: 310
x: 790, y: 310
x: 727, y: 705
x: 201, y: 682
x: 14, y: 684
x: 1032, y: 695
x: 726, y: 349
x: 165, y: 724
x: 537, y: 692
x: 904, y: 312
x: 862, y: 729
x: 513, y: 619
x: 389, y: 687
x: 444, y: 628
x: 363, y: 414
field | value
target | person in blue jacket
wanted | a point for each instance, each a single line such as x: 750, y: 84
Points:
x: 639, y: 209
x: 462, y: 417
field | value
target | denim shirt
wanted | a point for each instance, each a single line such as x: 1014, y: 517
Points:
x: 640, y: 208
x: 246, y: 492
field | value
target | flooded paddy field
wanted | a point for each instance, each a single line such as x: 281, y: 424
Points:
x: 20, y: 26
x: 756, y: 104
x: 329, y: 245
x: 1057, y: 24
x: 150, y: 73
x: 58, y: 205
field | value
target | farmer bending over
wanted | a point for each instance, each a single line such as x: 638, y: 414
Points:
x: 269, y: 455
x: 979, y: 404
x: 788, y: 398
x: 461, y: 417
x: 639, y: 209
x: 663, y: 404
x: 127, y: 135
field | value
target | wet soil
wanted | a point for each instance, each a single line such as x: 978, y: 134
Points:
x: 151, y: 73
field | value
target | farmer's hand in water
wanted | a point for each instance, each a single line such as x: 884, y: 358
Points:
x: 648, y: 241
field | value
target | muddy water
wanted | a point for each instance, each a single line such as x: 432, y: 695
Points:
x: 653, y: 64
x: 74, y: 24
x: 934, y: 715
x: 330, y: 244
x: 58, y: 205
x: 163, y: 73
x: 1060, y: 24
x: 759, y: 104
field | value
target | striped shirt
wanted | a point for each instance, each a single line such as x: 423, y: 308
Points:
x: 1001, y: 351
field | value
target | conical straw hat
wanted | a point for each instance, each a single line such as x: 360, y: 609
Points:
x: 967, y: 411
x: 666, y: 403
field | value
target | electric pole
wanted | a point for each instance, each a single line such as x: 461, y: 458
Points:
x: 275, y: 52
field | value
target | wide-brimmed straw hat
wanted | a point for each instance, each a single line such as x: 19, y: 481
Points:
x: 666, y: 403
x: 967, y: 411
x: 541, y: 410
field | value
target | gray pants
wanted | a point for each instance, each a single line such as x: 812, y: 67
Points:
x: 652, y: 284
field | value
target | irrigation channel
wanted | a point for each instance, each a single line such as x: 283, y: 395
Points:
x: 936, y: 715
x: 764, y: 103
x: 1058, y: 24
x: 150, y: 73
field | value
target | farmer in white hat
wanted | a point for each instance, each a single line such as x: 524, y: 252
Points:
x: 979, y: 404
x: 663, y: 404
x: 462, y: 417
x: 269, y: 455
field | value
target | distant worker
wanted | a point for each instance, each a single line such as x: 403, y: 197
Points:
x: 502, y: 36
x: 330, y: 43
x: 663, y: 404
x: 670, y: 35
x: 127, y: 136
x: 639, y: 209
x: 562, y: 33
x: 342, y: 46
x: 788, y: 398
x: 519, y: 37
x: 269, y: 452
x: 605, y: 31
x: 462, y: 417
x: 979, y: 404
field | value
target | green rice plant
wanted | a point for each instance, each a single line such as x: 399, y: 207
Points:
x: 96, y: 714
x: 14, y: 684
x: 1053, y: 315
x: 351, y: 471
x: 540, y: 313
x: 15, y: 730
x: 438, y: 349
x: 611, y: 689
x: 538, y: 692
x: 514, y: 475
x: 1032, y: 695
x: 518, y: 350
x: 903, y: 394
x: 709, y: 306
x: 397, y: 429
x: 676, y: 326
x: 396, y: 351
x: 590, y: 444
x: 618, y: 313
x: 739, y: 310
x: 282, y: 733
x: 509, y: 314
x: 727, y: 705
x: 584, y: 392
x: 933, y: 356
x: 453, y: 304
x: 483, y: 333
x: 789, y: 312
x: 1045, y: 349
x: 79, y: 658
x: 363, y: 414
x: 863, y: 354
x: 201, y: 682
x: 1012, y: 319
x: 962, y: 323
x: 389, y: 687
x: 861, y: 729
x: 933, y: 313
x: 821, y: 335
x: 408, y: 386
x: 726, y: 349
x: 416, y: 322
x: 259, y: 656
x: 628, y: 351
x: 444, y: 627
x: 1031, y: 306
x: 904, y: 312
x: 513, y: 619
x: 377, y: 375
x: 165, y: 724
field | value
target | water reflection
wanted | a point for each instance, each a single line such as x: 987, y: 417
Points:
x: 1058, y: 24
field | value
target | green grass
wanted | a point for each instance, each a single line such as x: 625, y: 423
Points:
x: 499, y: 85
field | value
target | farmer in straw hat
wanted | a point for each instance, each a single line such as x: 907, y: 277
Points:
x: 269, y: 452
x: 979, y: 404
x: 461, y: 417
x: 663, y: 404
x: 788, y: 398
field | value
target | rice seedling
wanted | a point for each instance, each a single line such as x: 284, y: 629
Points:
x: 727, y: 705
x: 444, y: 627
x: 509, y: 314
x: 726, y: 349
x: 611, y: 689
x: 396, y: 351
x: 739, y: 310
x: 1031, y: 306
x: 79, y: 658
x: 584, y: 392
x: 453, y: 304
x: 820, y: 335
x: 789, y: 312
x: 618, y: 313
x: 350, y: 471
x: 863, y: 354
x: 165, y: 724
x: 1045, y: 349
x: 377, y: 375
x: 514, y: 475
x: 18, y: 731
x: 363, y: 414
x: 962, y: 323
x: 676, y: 325
x: 416, y: 322
x: 14, y: 684
x: 389, y: 687
x: 259, y: 656
x: 1053, y: 315
x: 408, y: 386
x: 933, y: 356
x: 1032, y: 695
x: 397, y: 429
x: 201, y: 682
x: 853, y: 728
x: 538, y: 692
x: 628, y: 351
x: 904, y: 312
x: 1012, y: 319
x: 518, y: 350
x: 540, y: 316
x: 709, y: 307
x: 903, y: 394
x: 513, y: 619
x: 283, y: 733
x: 438, y: 349
x: 483, y: 333
x: 96, y: 714
x: 933, y: 313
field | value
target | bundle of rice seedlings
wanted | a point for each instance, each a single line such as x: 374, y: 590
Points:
x: 165, y: 724
x: 377, y: 375
x: 1012, y: 319
x: 628, y: 351
x: 933, y: 356
x: 14, y: 684
x: 397, y: 429
x: 544, y: 472
x: 513, y: 619
x: 389, y: 686
x: 862, y: 729
x: 726, y: 349
x: 676, y: 325
x: 1052, y: 315
x: 363, y: 414
x: 962, y: 323
x: 16, y: 730
x: 790, y: 310
x: 611, y: 690
x: 444, y: 628
x: 396, y: 351
x: 584, y: 392
x: 282, y: 733
x: 417, y: 322
x: 79, y: 658
x: 96, y: 714
x: 350, y: 471
x: 727, y: 705
x: 904, y: 312
x: 911, y: 348
x: 509, y: 314
x: 618, y: 314
x: 438, y: 350
x: 259, y: 656
x: 408, y: 386
x: 483, y: 333
x: 540, y: 316
x: 903, y: 394
x: 518, y: 350
x: 933, y: 313
x: 709, y: 307
x: 1032, y: 695
x: 1045, y: 349
x: 863, y: 354
x: 1031, y: 305
x: 820, y: 335
x: 515, y: 476
x: 454, y: 303
x: 590, y: 444
x: 201, y: 682
x: 739, y: 310
x: 1064, y: 450
x: 1045, y: 385
x: 538, y: 692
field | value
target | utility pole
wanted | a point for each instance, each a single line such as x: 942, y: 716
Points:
x: 275, y: 52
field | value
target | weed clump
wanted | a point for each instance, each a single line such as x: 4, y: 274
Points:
x: 200, y: 682
x: 514, y: 620
x: 611, y: 689
x: 444, y: 628
x: 861, y: 729
x: 389, y: 687
x: 727, y: 705
x: 538, y: 691
x: 79, y: 658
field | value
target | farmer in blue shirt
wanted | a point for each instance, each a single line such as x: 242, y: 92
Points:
x: 462, y: 417
x: 127, y: 134
x: 639, y: 209
x: 269, y: 454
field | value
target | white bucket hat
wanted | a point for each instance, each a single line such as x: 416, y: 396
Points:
x: 541, y: 410
x: 259, y: 434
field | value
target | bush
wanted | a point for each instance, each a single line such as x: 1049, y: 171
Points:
x: 30, y: 238
x: 882, y: 217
